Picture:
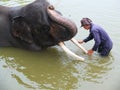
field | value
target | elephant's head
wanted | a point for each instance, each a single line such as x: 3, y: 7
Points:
x: 44, y: 25
x: 48, y: 27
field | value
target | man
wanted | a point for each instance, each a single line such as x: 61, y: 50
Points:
x: 103, y: 43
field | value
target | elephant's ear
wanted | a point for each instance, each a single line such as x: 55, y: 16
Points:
x: 21, y: 30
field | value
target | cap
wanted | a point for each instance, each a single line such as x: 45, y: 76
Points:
x: 85, y: 21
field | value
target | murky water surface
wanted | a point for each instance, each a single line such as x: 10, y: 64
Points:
x: 52, y: 69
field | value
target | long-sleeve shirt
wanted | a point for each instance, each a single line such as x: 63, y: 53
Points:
x: 100, y: 37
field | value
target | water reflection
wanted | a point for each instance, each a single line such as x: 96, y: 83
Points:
x: 35, y: 70
x: 93, y: 71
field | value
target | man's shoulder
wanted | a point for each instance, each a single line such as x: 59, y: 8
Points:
x: 95, y: 27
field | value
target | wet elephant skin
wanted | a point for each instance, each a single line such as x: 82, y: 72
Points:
x: 30, y: 27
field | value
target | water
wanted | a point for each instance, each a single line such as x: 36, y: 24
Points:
x: 52, y: 69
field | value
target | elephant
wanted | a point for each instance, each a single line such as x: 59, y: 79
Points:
x: 35, y: 26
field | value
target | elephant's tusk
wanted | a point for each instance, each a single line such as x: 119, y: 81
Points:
x: 76, y: 43
x: 70, y: 52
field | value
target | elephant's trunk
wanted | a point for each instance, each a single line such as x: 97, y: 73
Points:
x: 59, y: 19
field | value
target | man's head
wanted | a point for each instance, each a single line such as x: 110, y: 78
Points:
x: 86, y: 23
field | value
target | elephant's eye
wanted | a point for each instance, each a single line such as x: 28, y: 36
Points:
x: 45, y: 28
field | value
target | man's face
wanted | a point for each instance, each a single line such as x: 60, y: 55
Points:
x: 87, y: 27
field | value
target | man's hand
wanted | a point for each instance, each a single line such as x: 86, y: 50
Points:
x: 80, y: 41
x: 90, y: 52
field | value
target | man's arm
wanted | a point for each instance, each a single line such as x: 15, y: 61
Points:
x: 90, y: 37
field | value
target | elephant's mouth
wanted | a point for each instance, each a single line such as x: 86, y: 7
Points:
x: 67, y: 30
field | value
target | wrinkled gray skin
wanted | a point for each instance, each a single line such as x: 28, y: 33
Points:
x: 33, y: 27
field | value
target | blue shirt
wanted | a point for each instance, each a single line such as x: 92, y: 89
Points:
x: 100, y: 37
